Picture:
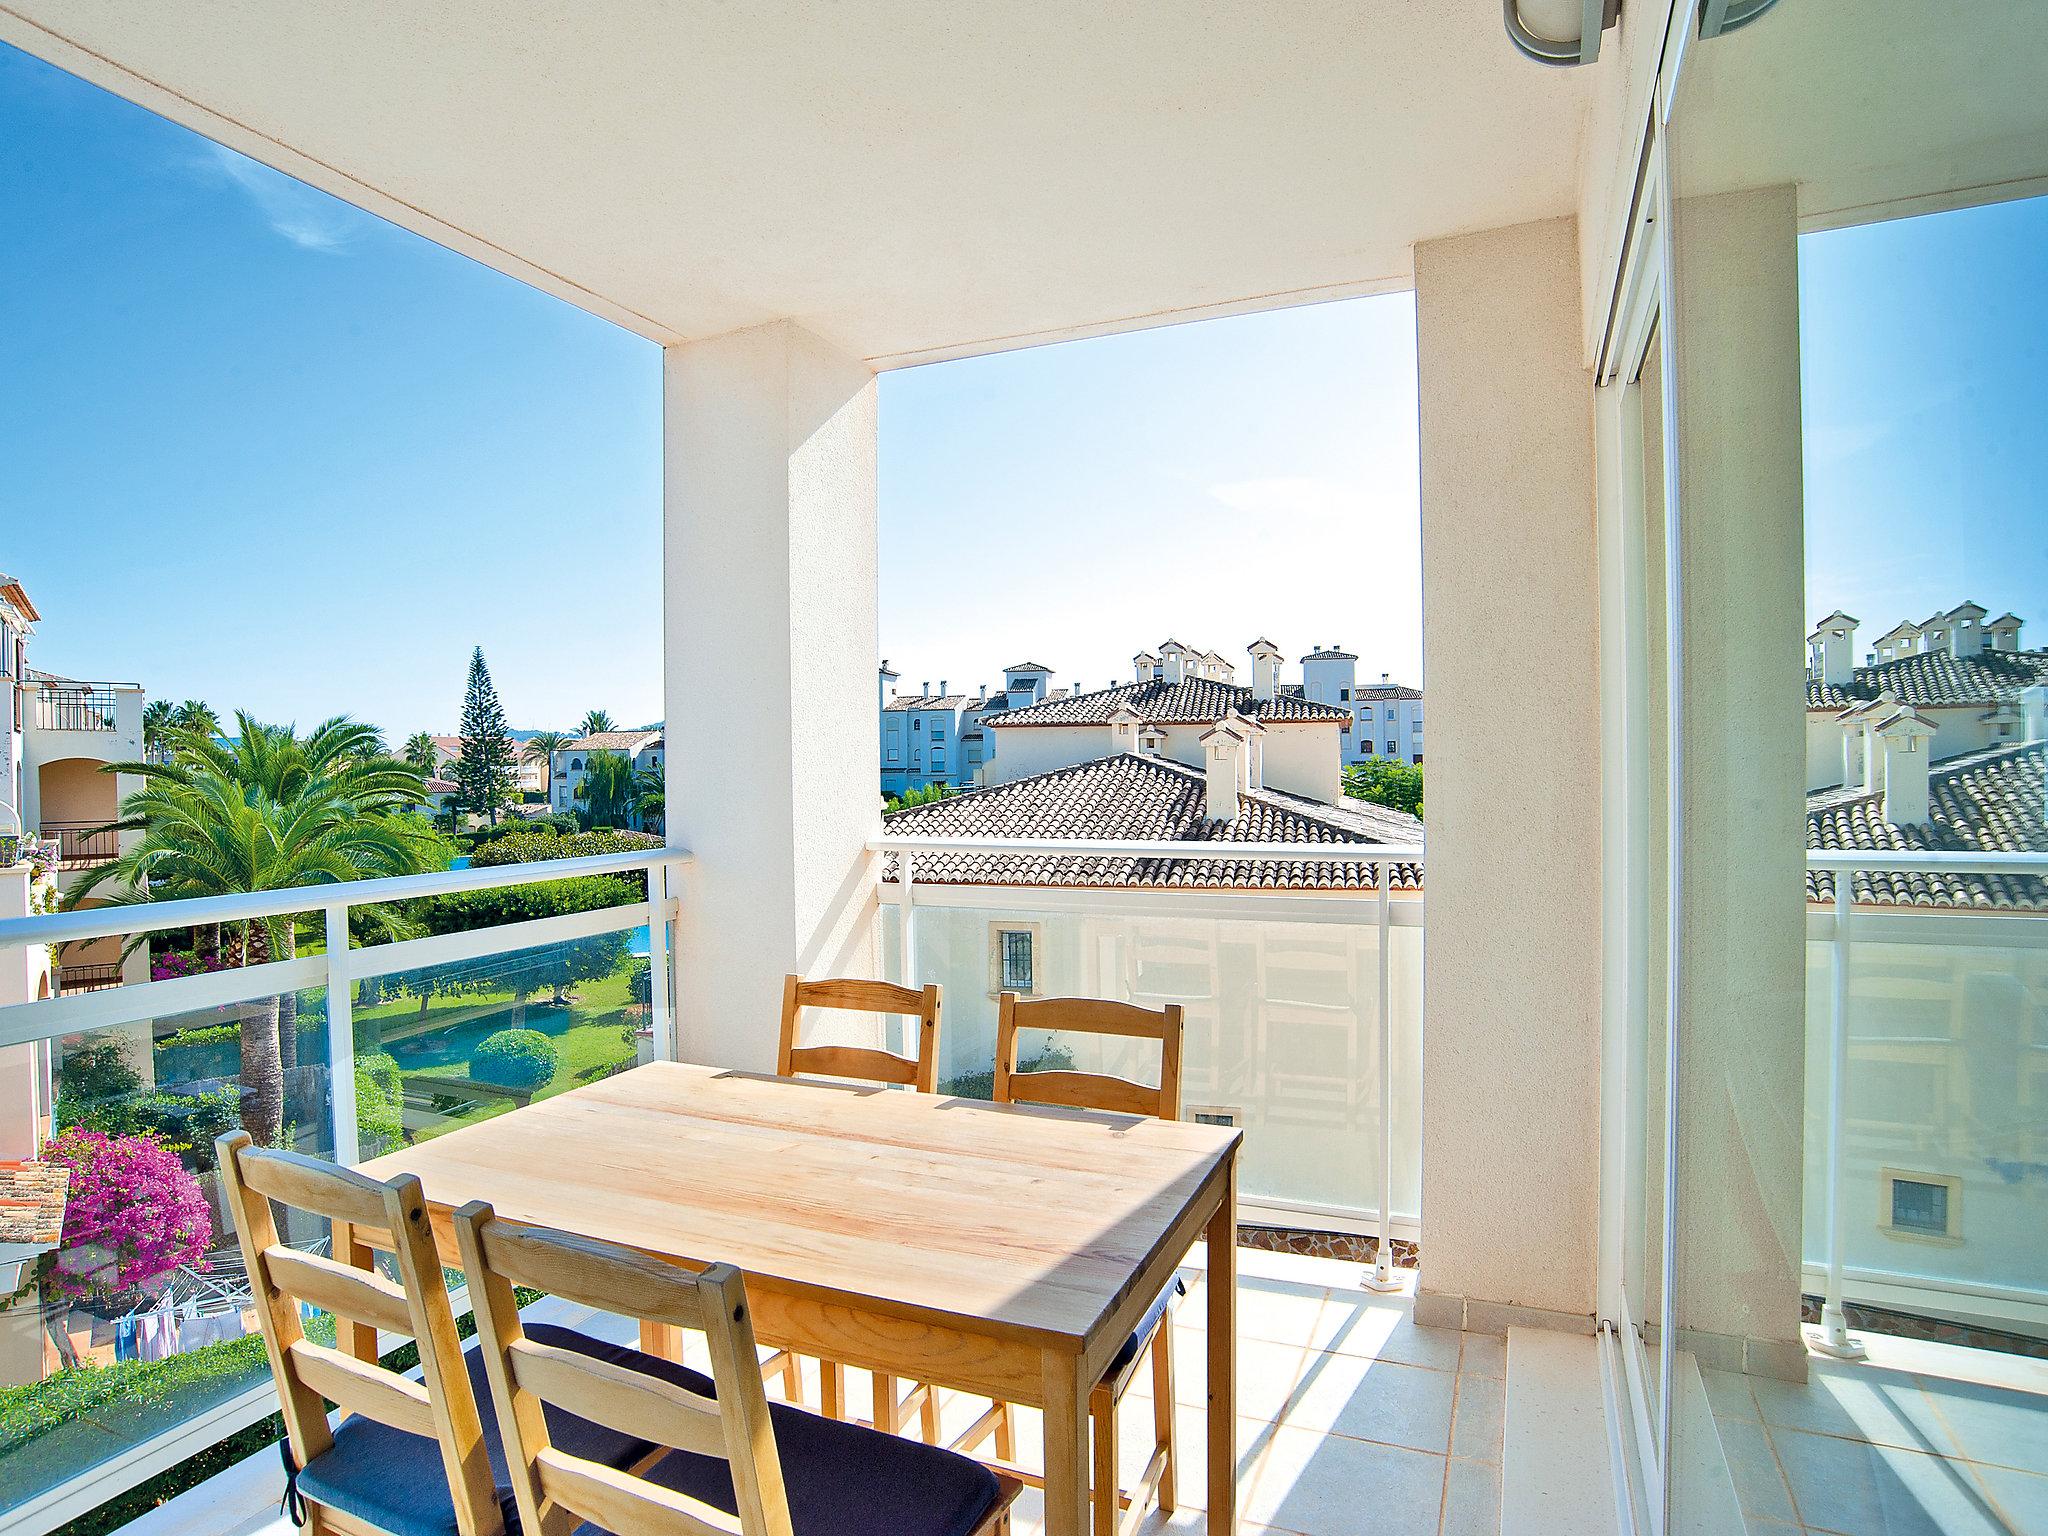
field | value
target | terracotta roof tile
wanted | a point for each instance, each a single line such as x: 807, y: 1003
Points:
x: 1935, y: 678
x: 1194, y: 701
x: 1130, y: 796
x: 1981, y: 802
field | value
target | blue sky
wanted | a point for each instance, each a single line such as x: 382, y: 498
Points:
x: 269, y: 451
x: 1924, y: 376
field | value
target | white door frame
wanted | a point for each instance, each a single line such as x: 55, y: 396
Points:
x: 1640, y: 1422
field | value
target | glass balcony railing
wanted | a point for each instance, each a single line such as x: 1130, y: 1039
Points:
x: 128, y: 1342
x: 1926, y: 1142
x: 1303, y: 1011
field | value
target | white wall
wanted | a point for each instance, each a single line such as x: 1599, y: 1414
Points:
x: 1022, y: 751
x: 1299, y: 759
x: 1511, y: 1043
x: 769, y: 557
x: 1957, y: 730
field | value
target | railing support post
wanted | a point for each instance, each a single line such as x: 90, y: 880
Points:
x: 906, y: 926
x: 1382, y: 1277
x: 341, y: 1040
x: 660, y: 962
x: 1832, y: 1337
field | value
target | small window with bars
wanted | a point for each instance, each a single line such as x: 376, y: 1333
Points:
x: 1928, y: 1206
x: 1014, y: 947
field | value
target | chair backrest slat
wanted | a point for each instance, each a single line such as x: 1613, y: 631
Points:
x: 553, y: 1489
x: 624, y: 1504
x: 862, y: 1063
x: 1089, y: 1090
x: 443, y: 1408
x: 361, y: 1296
x: 613, y: 1277
x: 631, y: 1402
x: 370, y: 1390
x: 306, y: 1183
x: 1084, y: 1090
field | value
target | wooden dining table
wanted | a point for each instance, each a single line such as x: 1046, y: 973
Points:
x: 1001, y: 1250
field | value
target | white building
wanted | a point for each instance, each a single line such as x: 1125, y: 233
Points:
x: 571, y: 764
x: 531, y: 773
x: 1962, y: 675
x: 938, y: 737
x: 57, y: 735
x: 1178, y: 696
x: 1386, y: 716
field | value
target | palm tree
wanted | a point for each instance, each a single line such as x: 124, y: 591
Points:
x: 159, y: 719
x: 608, y: 788
x: 196, y: 717
x: 421, y: 752
x: 594, y: 722
x: 270, y: 812
x: 541, y: 747
x: 650, y: 799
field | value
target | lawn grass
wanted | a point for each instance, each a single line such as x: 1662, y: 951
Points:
x: 590, y: 1048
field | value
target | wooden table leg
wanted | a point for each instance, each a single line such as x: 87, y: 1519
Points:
x: 1222, y: 1287
x: 353, y: 1338
x: 1066, y: 1446
x: 662, y: 1339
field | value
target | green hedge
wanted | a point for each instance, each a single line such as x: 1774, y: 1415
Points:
x: 527, y: 847
x: 466, y: 910
x: 41, y: 1406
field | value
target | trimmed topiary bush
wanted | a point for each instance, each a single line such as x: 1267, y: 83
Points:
x: 522, y: 1059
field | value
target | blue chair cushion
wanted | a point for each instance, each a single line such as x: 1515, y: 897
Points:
x: 394, y: 1480
x: 841, y: 1479
x: 1147, y: 1326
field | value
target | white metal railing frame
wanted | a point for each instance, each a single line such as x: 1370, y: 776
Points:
x: 1843, y: 928
x: 340, y: 967
x: 1384, y: 860
x: 337, y: 969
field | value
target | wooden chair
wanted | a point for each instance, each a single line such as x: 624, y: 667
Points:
x: 863, y: 1064
x: 413, y: 1458
x: 736, y: 1465
x: 1154, y: 1334
x: 336, y: 1470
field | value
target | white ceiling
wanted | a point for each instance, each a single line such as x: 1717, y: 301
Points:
x: 1874, y: 107
x: 909, y: 180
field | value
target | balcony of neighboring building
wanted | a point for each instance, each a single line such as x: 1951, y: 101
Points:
x: 76, y: 800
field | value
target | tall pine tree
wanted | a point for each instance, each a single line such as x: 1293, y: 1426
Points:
x: 484, y: 769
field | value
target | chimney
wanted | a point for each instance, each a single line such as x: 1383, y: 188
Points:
x: 1173, y: 664
x: 943, y: 690
x: 1265, y: 669
x: 2005, y: 633
x: 1834, y: 649
x: 1223, y: 752
x: 2034, y: 713
x: 1144, y: 667
x: 1966, y: 630
x: 924, y: 689
x: 1873, y: 756
x: 1908, y: 743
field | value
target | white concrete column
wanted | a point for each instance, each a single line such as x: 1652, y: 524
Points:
x: 769, y: 613
x: 1512, y: 958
